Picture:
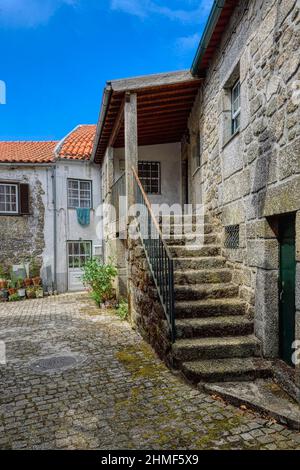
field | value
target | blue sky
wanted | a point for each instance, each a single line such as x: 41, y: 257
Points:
x: 56, y: 55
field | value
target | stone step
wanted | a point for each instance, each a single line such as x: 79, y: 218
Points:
x: 185, y: 218
x: 202, y: 276
x: 187, y: 228
x: 196, y: 239
x: 208, y: 291
x: 198, y: 251
x: 209, y: 307
x: 215, y: 348
x: 199, y: 263
x: 213, y: 326
x: 226, y: 370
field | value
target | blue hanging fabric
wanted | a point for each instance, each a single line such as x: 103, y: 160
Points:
x: 83, y: 216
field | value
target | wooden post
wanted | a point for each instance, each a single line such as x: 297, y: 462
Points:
x: 131, y: 145
x: 131, y: 161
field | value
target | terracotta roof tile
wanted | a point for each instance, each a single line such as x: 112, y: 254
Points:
x: 27, y: 152
x: 78, y: 145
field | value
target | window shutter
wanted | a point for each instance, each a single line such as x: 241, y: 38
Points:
x: 24, y: 198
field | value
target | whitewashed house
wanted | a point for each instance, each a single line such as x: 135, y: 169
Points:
x: 42, y: 186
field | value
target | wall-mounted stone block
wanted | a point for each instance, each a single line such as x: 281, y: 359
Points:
x: 289, y: 160
x: 233, y: 214
x: 236, y: 186
x: 263, y: 254
x: 282, y: 198
x: 267, y: 308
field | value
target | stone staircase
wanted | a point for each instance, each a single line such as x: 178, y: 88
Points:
x: 215, y: 340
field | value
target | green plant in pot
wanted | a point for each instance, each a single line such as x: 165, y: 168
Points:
x: 20, y: 287
x: 14, y: 297
x: 30, y: 292
x: 3, y: 278
x: 12, y: 286
x: 34, y: 270
x: 39, y: 293
x: 3, y: 295
x: 99, y: 279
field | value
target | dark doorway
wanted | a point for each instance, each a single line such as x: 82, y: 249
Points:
x: 287, y: 307
x: 185, y: 182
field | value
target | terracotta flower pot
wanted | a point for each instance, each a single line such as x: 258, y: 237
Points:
x: 12, y: 290
x: 36, y: 281
x: 27, y: 281
x: 3, y: 284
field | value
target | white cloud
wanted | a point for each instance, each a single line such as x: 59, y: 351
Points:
x: 145, y: 8
x: 186, y: 44
x: 29, y: 13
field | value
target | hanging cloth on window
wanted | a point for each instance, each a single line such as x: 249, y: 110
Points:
x: 83, y: 216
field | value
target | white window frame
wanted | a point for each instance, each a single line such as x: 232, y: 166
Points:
x: 80, y: 255
x: 151, y: 178
x: 71, y: 197
x: 235, y: 111
x: 15, y: 185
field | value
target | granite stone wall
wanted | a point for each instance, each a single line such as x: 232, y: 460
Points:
x: 253, y: 177
x: 146, y: 313
x: 22, y: 237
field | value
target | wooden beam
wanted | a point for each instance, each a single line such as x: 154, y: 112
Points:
x: 118, y: 123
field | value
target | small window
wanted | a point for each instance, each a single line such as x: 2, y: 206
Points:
x: 236, y: 107
x: 79, y: 253
x: 9, y: 198
x: 79, y: 194
x: 232, y: 237
x: 150, y: 175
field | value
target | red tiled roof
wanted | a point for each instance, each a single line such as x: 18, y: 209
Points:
x: 27, y: 152
x: 78, y: 145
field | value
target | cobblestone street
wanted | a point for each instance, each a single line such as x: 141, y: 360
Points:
x: 118, y: 395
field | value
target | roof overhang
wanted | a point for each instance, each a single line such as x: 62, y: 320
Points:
x: 216, y: 24
x: 164, y: 103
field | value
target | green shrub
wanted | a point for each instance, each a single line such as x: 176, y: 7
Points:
x: 14, y: 297
x: 122, y: 310
x: 99, y: 278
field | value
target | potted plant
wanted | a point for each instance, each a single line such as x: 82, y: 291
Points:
x: 30, y: 292
x: 39, y: 293
x: 11, y: 287
x: 14, y: 297
x: 34, y: 270
x: 20, y: 287
x: 3, y: 295
x: 3, y: 280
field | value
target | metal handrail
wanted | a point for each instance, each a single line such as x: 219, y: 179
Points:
x: 158, y: 255
x: 117, y: 190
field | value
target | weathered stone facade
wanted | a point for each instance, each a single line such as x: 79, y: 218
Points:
x: 23, y: 237
x: 147, y: 314
x: 252, y: 178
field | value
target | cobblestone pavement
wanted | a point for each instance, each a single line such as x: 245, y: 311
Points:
x: 117, y: 396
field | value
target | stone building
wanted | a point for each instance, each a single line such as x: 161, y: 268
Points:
x: 225, y: 137
x: 41, y: 185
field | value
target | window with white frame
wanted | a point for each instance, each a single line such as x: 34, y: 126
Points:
x: 9, y: 198
x: 236, y: 107
x: 79, y: 253
x: 150, y: 176
x: 79, y: 193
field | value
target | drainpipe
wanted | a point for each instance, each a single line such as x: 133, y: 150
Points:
x: 54, y: 226
x: 213, y: 19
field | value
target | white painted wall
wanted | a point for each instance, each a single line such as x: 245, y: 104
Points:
x: 68, y: 228
x: 169, y: 155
